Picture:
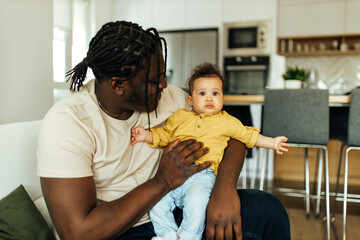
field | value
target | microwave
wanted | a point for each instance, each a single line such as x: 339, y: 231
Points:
x: 247, y: 38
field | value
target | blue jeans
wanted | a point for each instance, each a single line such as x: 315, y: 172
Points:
x: 193, y: 197
x: 262, y: 217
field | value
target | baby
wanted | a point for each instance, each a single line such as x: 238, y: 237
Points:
x: 206, y: 123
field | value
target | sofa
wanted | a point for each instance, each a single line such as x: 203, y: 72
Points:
x: 18, y: 145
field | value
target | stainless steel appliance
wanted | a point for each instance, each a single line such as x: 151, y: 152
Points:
x: 247, y: 38
x: 246, y: 74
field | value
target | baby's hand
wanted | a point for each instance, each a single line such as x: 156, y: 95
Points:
x: 138, y: 134
x: 279, y: 144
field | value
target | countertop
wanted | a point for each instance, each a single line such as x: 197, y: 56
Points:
x: 334, y: 100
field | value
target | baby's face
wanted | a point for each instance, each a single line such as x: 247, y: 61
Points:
x: 207, y: 95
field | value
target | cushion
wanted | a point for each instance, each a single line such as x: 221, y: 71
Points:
x: 20, y: 219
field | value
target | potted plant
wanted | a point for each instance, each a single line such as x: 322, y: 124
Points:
x: 295, y: 77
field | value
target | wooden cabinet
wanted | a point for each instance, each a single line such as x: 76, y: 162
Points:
x: 319, y: 45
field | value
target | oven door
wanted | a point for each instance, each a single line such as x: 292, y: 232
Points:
x: 246, y: 76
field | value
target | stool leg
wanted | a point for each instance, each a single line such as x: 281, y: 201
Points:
x: 346, y: 174
x: 318, y: 195
x: 255, y: 171
x: 307, y: 184
x: 263, y: 168
x: 337, y: 184
x: 327, y: 193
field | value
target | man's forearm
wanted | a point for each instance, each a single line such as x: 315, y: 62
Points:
x: 232, y: 163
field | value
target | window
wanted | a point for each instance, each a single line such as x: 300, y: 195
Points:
x: 70, y: 41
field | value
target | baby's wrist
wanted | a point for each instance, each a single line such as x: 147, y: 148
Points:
x: 274, y: 143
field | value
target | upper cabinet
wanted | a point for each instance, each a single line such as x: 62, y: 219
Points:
x: 318, y: 17
x: 352, y: 16
x: 318, y: 27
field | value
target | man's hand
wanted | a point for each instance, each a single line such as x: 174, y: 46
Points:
x: 223, y: 215
x: 175, y: 164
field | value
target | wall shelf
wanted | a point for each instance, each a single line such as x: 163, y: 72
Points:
x: 319, y: 45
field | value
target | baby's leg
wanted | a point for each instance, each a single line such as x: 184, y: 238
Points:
x: 195, y: 202
x: 162, y: 217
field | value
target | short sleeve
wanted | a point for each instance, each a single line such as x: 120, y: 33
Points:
x: 65, y: 148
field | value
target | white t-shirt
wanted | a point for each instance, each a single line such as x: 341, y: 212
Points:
x: 77, y: 139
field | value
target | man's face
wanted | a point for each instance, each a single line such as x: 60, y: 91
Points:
x: 135, y: 87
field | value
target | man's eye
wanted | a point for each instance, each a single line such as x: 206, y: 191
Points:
x: 202, y: 93
x: 215, y: 93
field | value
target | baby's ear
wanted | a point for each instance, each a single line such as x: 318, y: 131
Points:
x: 189, y: 99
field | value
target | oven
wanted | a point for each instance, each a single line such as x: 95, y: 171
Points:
x: 246, y: 74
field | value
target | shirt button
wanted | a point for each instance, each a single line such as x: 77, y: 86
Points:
x: 198, y: 126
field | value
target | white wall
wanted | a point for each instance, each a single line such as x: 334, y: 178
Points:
x: 25, y: 59
x: 26, y: 81
x: 192, y: 14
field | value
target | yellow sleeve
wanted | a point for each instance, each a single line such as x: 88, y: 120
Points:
x: 162, y: 136
x: 245, y: 134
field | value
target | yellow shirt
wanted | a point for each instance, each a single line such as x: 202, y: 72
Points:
x: 213, y: 130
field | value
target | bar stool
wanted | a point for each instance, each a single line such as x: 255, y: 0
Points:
x: 302, y: 115
x: 352, y: 143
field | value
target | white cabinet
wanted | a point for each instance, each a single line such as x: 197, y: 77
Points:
x: 352, y: 16
x: 187, y: 49
x: 316, y: 17
x: 254, y: 10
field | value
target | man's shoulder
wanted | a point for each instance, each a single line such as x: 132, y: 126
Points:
x: 174, y: 96
x: 80, y: 105
x: 174, y: 91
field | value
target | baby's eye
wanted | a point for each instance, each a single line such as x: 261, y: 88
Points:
x: 202, y: 93
x: 215, y: 93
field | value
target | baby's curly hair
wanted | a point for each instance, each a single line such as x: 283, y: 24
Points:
x: 205, y: 70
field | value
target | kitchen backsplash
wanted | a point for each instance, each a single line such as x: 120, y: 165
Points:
x: 339, y: 73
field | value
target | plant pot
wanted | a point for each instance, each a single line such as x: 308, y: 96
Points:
x: 293, y: 84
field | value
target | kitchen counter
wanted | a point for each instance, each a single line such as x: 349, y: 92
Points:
x: 334, y: 100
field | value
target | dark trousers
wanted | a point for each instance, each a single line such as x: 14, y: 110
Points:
x: 262, y: 216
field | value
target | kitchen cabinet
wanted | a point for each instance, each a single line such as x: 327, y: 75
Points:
x: 186, y: 49
x: 318, y: 17
x: 352, y: 16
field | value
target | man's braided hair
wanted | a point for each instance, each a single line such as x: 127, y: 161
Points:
x: 119, y: 50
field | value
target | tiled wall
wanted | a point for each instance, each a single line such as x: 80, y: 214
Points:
x: 340, y: 73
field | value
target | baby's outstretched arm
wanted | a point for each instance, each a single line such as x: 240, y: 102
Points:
x: 140, y: 134
x: 278, y: 143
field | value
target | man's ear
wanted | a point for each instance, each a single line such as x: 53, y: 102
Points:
x: 189, y: 99
x: 117, y: 86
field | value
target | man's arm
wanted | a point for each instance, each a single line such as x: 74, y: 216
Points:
x: 223, y: 211
x: 72, y: 201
